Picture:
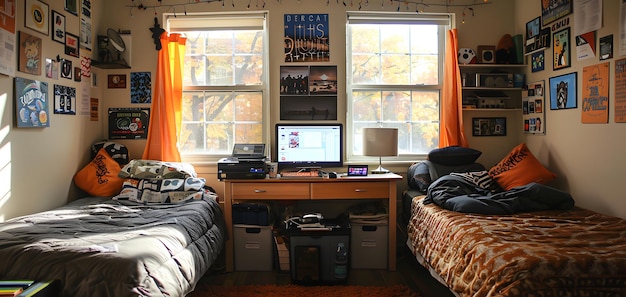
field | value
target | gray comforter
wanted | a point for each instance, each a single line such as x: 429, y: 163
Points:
x: 102, y: 247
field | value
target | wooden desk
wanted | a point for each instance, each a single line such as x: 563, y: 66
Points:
x: 373, y: 186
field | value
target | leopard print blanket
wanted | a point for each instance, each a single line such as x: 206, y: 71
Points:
x: 576, y: 252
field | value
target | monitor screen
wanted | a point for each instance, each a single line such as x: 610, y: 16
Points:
x: 309, y: 145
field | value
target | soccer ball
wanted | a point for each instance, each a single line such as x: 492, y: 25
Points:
x: 467, y: 56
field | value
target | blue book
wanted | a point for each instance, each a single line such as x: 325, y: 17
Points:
x: 22, y: 283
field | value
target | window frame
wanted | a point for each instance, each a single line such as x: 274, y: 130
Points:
x: 445, y: 21
x: 228, y: 20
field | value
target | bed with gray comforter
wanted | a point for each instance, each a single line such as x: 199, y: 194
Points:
x: 104, y: 247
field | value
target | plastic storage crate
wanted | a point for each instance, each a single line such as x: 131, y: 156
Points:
x: 253, y: 247
x: 369, y: 246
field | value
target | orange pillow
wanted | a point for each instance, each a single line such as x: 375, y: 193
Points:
x: 99, y: 177
x: 519, y: 168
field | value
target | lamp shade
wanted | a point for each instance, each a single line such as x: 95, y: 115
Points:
x: 380, y: 142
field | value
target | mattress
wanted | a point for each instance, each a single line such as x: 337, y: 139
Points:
x: 103, y: 247
x: 576, y: 252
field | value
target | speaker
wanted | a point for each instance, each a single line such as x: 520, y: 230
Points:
x: 486, y: 54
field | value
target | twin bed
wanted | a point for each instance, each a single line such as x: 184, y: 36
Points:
x: 126, y: 245
x: 559, y: 250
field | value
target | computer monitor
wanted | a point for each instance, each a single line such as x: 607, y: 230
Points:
x: 309, y: 145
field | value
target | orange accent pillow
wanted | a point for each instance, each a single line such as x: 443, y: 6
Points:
x: 99, y: 177
x: 519, y: 168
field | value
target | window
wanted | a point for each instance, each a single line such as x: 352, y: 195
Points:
x: 224, y: 84
x: 394, y: 69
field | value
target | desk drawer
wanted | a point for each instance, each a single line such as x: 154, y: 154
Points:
x: 270, y: 191
x: 349, y: 190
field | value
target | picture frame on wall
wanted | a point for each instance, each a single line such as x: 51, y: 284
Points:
x: 71, y: 6
x: 71, y: 44
x: 491, y: 126
x: 538, y: 61
x: 534, y: 116
x: 561, y: 49
x: 29, y: 54
x: 31, y: 103
x: 36, y: 16
x: 563, y: 91
x: 58, y: 27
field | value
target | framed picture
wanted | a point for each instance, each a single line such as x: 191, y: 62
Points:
x: 562, y: 54
x: 52, y: 68
x: 31, y: 103
x: 532, y: 29
x: 36, y: 16
x: 29, y: 55
x: 71, y: 44
x: 64, y: 100
x: 486, y: 54
x: 538, y: 61
x: 66, y: 69
x: 71, y: 6
x: 606, y: 47
x: 489, y: 126
x: 116, y: 81
x: 77, y: 74
x: 563, y: 91
x: 58, y: 27
x: 554, y: 10
x: 532, y: 105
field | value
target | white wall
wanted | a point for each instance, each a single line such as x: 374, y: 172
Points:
x: 37, y: 164
x: 588, y: 158
x: 43, y: 161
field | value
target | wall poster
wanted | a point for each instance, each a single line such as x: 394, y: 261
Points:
x: 306, y: 38
x: 64, y: 100
x: 595, y: 94
x: 29, y: 54
x: 552, y: 10
x: 563, y: 91
x: 31, y: 103
x: 533, y: 103
x: 620, y: 91
x: 128, y: 123
x: 562, y: 53
x: 308, y: 92
x: 7, y: 37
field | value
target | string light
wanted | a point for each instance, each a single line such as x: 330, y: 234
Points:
x: 420, y: 5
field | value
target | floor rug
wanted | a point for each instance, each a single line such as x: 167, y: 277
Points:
x: 294, y: 290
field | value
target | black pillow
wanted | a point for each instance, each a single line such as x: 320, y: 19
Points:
x: 454, y: 155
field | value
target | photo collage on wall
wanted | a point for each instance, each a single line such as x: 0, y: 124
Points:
x: 533, y: 107
x: 308, y: 92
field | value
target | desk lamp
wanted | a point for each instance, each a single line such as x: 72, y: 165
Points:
x: 380, y: 142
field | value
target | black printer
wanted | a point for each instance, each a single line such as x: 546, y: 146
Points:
x: 246, y: 162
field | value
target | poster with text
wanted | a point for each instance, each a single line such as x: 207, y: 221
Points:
x: 595, y: 94
x: 306, y: 38
x: 31, y: 103
x: 620, y: 91
x: 7, y: 38
x: 128, y: 123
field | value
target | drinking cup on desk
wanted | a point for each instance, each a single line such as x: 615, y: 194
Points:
x: 272, y: 169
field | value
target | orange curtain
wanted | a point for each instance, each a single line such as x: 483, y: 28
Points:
x: 451, y: 127
x: 165, y: 112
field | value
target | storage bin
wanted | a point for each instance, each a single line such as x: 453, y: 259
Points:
x: 253, y: 247
x: 369, y: 246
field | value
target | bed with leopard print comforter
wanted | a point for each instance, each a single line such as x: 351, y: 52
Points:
x: 574, y: 252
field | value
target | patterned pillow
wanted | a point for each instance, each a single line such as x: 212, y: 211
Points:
x: 99, y: 177
x: 148, y: 169
x: 481, y: 179
x: 172, y: 190
x: 519, y: 168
